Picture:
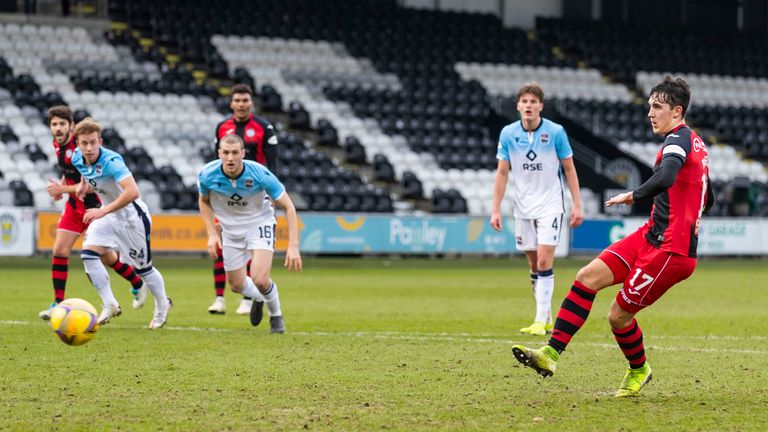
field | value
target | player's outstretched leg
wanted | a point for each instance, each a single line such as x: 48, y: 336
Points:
x: 99, y: 277
x: 571, y: 316
x: 634, y: 381
x: 542, y: 360
x: 154, y: 281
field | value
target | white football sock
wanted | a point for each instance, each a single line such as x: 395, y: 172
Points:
x: 272, y: 299
x: 156, y: 285
x: 545, y: 287
x: 99, y: 277
x: 534, y: 277
x: 251, y: 291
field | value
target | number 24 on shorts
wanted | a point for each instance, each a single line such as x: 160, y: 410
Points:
x: 136, y: 254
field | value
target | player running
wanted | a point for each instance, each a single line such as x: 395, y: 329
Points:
x: 651, y: 260
x: 233, y: 190
x: 260, y: 140
x: 122, y: 225
x: 71, y: 225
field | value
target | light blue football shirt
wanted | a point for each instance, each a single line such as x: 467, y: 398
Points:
x: 536, y: 170
x: 104, y: 177
x: 240, y: 203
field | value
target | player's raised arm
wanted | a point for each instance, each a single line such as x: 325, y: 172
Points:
x: 292, y: 255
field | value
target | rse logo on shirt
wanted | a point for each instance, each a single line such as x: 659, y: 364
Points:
x: 237, y: 201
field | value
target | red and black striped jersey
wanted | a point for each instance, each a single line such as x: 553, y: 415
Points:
x: 259, y: 137
x: 64, y: 156
x: 71, y: 174
x: 676, y: 214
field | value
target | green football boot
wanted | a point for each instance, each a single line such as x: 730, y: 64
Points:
x: 542, y: 360
x: 634, y: 381
x: 535, y: 329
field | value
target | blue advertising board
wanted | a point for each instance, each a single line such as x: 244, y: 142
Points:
x: 403, y: 234
x: 595, y: 235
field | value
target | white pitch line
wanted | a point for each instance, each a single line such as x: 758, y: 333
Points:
x: 472, y: 336
x: 460, y: 337
x: 407, y: 336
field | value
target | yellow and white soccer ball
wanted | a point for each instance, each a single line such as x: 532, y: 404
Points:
x: 74, y: 321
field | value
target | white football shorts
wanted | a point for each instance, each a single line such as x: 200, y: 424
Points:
x: 236, y: 251
x: 529, y: 233
x: 128, y: 238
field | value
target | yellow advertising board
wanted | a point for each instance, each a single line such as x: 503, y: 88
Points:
x: 170, y: 233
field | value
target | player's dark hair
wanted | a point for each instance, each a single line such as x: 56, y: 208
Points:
x: 673, y: 92
x: 87, y: 126
x: 60, y: 111
x: 242, y: 88
x: 233, y: 138
x: 533, y: 88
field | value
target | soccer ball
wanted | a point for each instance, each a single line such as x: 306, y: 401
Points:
x: 74, y: 321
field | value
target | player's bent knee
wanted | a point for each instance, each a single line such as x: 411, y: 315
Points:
x: 62, y: 250
x: 618, y: 317
x: 595, y: 275
x: 109, y: 258
x: 584, y: 275
x: 262, y: 282
x: 237, y: 285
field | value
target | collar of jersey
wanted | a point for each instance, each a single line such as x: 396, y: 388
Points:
x: 677, y: 128
x: 541, y: 122
x: 250, y: 117
x: 97, y: 159
x: 221, y: 167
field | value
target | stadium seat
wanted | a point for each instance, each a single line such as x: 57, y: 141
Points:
x: 354, y: 152
x: 382, y: 169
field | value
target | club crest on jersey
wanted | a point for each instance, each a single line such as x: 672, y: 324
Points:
x: 250, y: 133
x: 544, y: 138
x: 248, y: 183
x: 98, y: 169
x: 698, y: 144
x: 69, y: 153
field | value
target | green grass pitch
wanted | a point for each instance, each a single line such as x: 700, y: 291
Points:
x: 383, y: 344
